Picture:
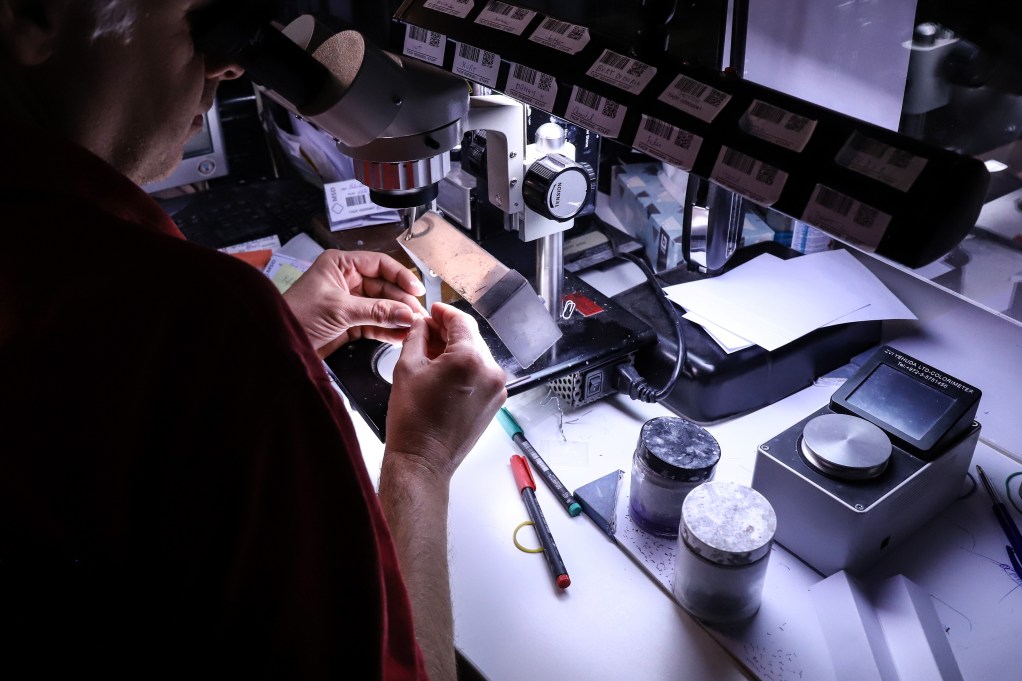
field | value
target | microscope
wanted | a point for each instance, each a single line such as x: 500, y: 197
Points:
x: 399, y: 119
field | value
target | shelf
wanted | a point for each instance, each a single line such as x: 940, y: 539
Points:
x: 867, y: 185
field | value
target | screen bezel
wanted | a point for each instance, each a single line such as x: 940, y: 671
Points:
x: 964, y: 397
x: 199, y: 167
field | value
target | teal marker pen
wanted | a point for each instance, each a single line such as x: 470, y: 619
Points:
x: 511, y: 427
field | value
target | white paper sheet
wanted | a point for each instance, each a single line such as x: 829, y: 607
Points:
x: 772, y: 302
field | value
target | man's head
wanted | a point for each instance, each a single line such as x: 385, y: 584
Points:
x: 119, y: 77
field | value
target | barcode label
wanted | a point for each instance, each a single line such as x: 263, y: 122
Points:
x: 631, y: 75
x: 502, y: 8
x: 767, y: 112
x: 749, y: 176
x: 834, y: 201
x: 845, y: 217
x: 778, y: 126
x: 595, y: 112
x: 532, y: 87
x: 893, y: 166
x: 426, y: 45
x: 505, y: 17
x: 865, y: 145
x: 347, y: 201
x: 695, y: 98
x: 561, y: 36
x: 558, y: 27
x: 613, y: 60
x: 667, y: 143
x: 525, y: 74
x: 458, y: 8
x: 476, y: 64
x: 739, y: 161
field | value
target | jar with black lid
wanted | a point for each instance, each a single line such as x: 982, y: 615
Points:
x: 673, y: 456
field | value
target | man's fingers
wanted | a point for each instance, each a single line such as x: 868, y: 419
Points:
x: 416, y: 343
x: 390, y: 314
x: 373, y: 265
x: 378, y: 288
x: 457, y: 327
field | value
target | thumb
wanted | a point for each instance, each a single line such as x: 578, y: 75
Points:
x: 416, y: 343
x: 388, y: 314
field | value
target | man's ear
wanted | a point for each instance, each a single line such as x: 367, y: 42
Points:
x: 29, y: 28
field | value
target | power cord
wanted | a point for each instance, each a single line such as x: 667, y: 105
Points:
x: 626, y: 378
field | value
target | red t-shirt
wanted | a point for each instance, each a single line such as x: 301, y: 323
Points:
x: 181, y: 490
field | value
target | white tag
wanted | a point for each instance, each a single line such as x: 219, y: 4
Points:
x: 560, y: 35
x: 748, y: 176
x: 283, y: 270
x: 532, y: 87
x: 476, y: 64
x: 271, y: 243
x: 459, y: 8
x: 349, y: 199
x: 624, y: 72
x: 597, y: 113
x: 845, y: 217
x: 773, y: 124
x: 505, y: 17
x: 425, y: 45
x: 664, y: 141
x: 882, y: 162
x: 695, y: 98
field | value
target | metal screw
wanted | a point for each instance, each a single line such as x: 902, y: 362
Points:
x: 514, y: 154
x: 766, y: 448
x: 514, y: 183
x: 859, y: 507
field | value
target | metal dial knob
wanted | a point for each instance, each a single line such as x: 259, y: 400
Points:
x: 557, y: 187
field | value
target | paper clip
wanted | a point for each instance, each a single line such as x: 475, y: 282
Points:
x: 568, y: 309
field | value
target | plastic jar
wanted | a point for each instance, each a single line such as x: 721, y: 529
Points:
x: 723, y: 548
x: 673, y: 456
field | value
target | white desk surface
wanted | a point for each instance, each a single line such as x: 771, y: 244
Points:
x: 615, y: 621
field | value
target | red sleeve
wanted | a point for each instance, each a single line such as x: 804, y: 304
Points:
x: 181, y: 490
x: 308, y: 563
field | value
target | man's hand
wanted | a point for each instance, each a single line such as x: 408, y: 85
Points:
x: 447, y: 388
x: 358, y: 294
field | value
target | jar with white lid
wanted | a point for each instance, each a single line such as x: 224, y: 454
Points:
x: 724, y: 542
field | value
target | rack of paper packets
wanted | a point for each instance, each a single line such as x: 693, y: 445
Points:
x: 884, y: 192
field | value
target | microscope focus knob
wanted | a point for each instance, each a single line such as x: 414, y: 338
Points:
x: 557, y: 187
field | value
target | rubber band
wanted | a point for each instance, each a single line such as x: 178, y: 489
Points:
x: 526, y: 549
x: 1007, y: 490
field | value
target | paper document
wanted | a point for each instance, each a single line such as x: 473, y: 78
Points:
x: 771, y: 302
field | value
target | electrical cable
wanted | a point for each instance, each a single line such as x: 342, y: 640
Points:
x: 641, y: 390
x: 626, y: 378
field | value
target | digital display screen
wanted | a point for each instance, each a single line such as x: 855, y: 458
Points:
x: 904, y: 402
x: 201, y: 143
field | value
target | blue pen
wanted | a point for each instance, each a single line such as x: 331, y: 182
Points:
x: 1014, y: 562
x: 1008, y: 526
x: 511, y: 427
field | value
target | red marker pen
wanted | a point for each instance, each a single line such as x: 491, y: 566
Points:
x: 527, y: 487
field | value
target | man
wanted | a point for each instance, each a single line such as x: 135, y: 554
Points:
x: 181, y: 492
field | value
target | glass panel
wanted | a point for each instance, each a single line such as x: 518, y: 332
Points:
x: 949, y: 73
